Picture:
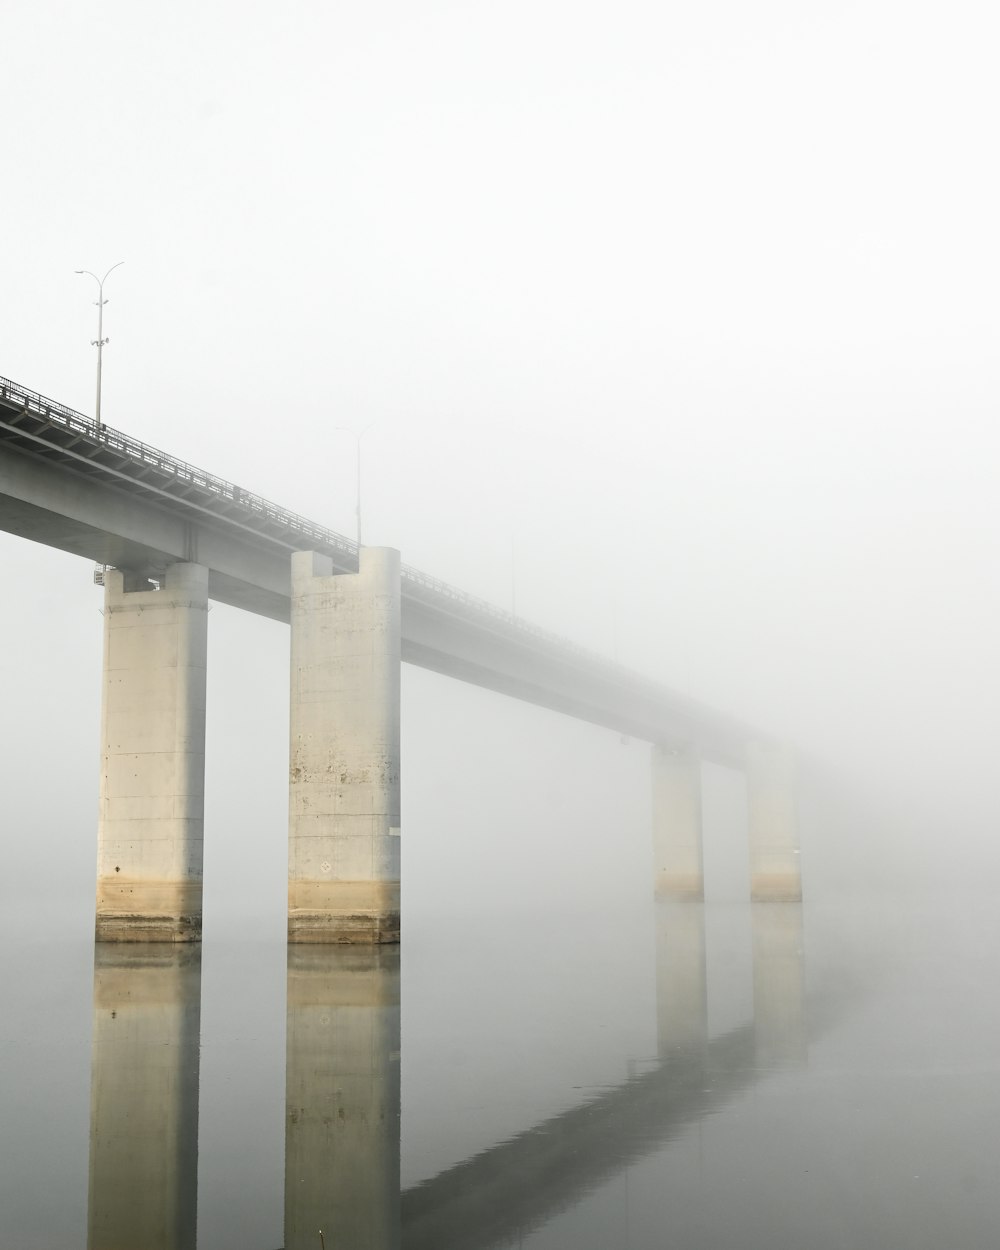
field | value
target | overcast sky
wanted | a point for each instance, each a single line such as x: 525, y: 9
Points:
x: 676, y: 323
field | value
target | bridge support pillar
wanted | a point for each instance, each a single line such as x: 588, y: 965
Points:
x: 343, y: 855
x: 774, y: 837
x: 342, y: 1098
x: 677, y: 847
x: 152, y: 806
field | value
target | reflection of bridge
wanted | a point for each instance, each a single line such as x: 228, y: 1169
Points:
x: 171, y: 536
x: 343, y: 1097
x: 514, y: 1187
x: 504, y: 1192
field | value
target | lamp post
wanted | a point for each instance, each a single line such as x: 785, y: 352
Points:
x: 100, y: 340
x: 358, y: 434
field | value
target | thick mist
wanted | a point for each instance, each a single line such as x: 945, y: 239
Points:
x: 674, y: 329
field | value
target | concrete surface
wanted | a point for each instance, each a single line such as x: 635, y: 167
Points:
x: 678, y: 870
x: 151, y: 824
x: 344, y: 803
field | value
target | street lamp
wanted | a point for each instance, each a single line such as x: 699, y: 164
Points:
x: 358, y: 434
x: 100, y: 340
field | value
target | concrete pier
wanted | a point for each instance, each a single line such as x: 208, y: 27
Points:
x: 774, y: 836
x: 681, y: 983
x: 151, y: 827
x: 342, y: 1095
x: 343, y: 854
x: 677, y: 845
x: 144, y: 1098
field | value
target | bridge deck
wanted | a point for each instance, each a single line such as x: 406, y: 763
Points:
x: 102, y: 495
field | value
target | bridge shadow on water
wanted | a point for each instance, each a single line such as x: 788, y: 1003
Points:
x: 342, y: 1110
x: 501, y: 1194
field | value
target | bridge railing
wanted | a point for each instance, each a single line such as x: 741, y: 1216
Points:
x: 142, y: 455
x: 43, y: 407
x: 421, y: 585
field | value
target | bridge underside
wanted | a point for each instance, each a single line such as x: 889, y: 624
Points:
x: 67, y: 501
x: 174, y: 537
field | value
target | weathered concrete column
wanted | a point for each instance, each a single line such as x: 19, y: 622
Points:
x: 778, y: 983
x: 681, y: 985
x: 342, y: 1099
x: 149, y: 871
x: 343, y: 851
x: 144, y: 1098
x: 773, y: 826
x: 677, y: 848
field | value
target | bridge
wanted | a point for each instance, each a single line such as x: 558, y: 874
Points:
x: 168, y: 537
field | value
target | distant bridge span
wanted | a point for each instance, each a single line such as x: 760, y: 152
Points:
x: 170, y: 537
x: 111, y: 499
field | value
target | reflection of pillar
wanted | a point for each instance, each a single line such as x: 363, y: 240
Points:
x: 144, y: 1098
x: 151, y: 829
x: 343, y: 854
x: 681, y: 992
x: 778, y: 982
x: 677, y: 850
x: 342, y: 1099
x: 774, y: 835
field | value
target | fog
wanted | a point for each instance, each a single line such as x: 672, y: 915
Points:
x: 674, y: 328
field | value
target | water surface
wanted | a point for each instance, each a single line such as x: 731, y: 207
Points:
x: 684, y: 1076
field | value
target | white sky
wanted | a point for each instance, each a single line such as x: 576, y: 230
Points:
x: 692, y: 307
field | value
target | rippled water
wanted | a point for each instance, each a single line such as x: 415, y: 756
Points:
x: 676, y: 1076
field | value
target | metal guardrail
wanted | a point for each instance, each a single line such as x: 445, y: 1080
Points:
x: 146, y: 457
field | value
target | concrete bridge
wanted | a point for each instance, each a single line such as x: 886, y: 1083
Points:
x: 169, y: 537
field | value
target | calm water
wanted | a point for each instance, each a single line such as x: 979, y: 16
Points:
x: 669, y: 1077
